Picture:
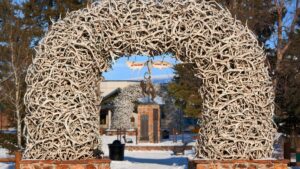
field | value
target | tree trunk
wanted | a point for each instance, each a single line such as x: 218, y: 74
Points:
x: 17, y: 99
x: 18, y: 104
x: 283, y: 46
x: 18, y: 110
x: 19, y: 129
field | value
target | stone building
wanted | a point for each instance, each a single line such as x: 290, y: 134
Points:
x: 109, y: 90
x: 171, y: 116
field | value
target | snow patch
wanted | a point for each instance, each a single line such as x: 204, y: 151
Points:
x: 150, y: 160
x: 4, y: 153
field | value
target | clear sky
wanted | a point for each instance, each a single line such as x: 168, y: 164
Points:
x: 120, y: 70
x: 287, y: 21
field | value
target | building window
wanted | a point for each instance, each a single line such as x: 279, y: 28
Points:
x: 132, y: 119
x: 103, y: 114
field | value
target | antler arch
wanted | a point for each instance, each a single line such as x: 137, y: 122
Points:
x: 62, y: 116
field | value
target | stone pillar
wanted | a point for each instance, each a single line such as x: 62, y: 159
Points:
x: 109, y: 118
x: 148, y: 123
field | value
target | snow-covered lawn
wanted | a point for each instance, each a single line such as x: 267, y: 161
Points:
x: 4, y: 154
x: 151, y: 160
x: 187, y: 138
x: 139, y: 159
x: 133, y: 160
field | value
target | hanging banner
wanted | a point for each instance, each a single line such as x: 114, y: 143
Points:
x: 135, y: 65
x: 155, y: 64
x: 161, y: 64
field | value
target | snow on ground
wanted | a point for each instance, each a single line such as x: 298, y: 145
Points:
x: 187, y: 139
x: 133, y: 160
x: 9, y: 131
x: 151, y: 160
x: 139, y: 159
x: 4, y: 154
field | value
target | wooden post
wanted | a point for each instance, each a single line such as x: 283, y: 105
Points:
x: 125, y: 136
x: 136, y: 136
x: 118, y: 134
x: 18, y: 158
x: 174, y: 135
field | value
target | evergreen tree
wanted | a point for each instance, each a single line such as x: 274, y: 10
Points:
x: 184, y: 88
x: 288, y: 93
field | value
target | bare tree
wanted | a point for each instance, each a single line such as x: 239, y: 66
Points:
x: 16, y: 56
x: 283, y: 43
x: 288, y: 14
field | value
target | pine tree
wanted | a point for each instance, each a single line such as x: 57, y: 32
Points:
x: 184, y: 88
x: 288, y: 93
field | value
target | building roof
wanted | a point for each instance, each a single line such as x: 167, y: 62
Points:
x: 108, y: 87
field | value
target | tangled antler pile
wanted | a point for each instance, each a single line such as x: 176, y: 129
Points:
x: 124, y: 106
x: 62, y: 118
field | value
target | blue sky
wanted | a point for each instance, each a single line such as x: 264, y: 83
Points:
x: 120, y: 70
x: 287, y: 21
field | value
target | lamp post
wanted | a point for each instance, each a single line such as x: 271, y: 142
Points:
x: 0, y: 121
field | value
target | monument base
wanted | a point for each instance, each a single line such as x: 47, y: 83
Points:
x: 70, y: 164
x: 148, y: 123
x: 238, y: 164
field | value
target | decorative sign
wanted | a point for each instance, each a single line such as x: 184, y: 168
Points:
x: 156, y: 64
x: 135, y: 65
x: 161, y: 64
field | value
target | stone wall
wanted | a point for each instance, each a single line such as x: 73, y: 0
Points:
x: 72, y: 164
x: 238, y: 164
